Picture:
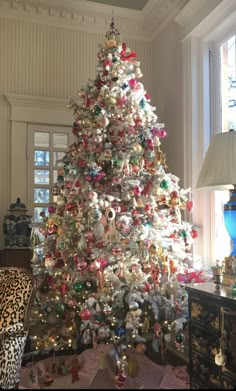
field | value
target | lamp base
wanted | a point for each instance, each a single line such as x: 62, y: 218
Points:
x: 229, y: 275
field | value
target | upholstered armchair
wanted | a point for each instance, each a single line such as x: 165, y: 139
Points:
x: 16, y: 295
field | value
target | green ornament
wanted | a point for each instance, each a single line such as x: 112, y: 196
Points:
x: 134, y: 160
x: 78, y: 286
x: 183, y: 234
x: 100, y: 317
x: 164, y: 184
x: 60, y: 308
x: 97, y: 110
x: 44, y: 287
x: 61, y: 246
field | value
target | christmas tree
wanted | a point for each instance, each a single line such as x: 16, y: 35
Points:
x: 111, y: 252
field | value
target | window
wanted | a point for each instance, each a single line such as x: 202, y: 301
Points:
x: 47, y: 146
x: 209, y: 99
x: 227, y: 76
x: 31, y: 169
x: 228, y: 83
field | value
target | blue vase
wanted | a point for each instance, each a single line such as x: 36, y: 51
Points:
x: 17, y: 226
x: 230, y: 219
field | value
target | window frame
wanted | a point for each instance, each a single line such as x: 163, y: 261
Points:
x: 202, y: 106
x: 24, y: 111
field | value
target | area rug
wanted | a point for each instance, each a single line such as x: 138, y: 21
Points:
x: 94, y: 369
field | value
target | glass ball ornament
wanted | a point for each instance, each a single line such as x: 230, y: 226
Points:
x: 86, y: 314
x: 88, y: 284
x: 48, y: 308
x: 55, y: 190
x: 60, y: 308
x: 179, y: 338
x: 44, y: 288
x: 119, y: 331
x: 164, y: 184
x: 78, y: 286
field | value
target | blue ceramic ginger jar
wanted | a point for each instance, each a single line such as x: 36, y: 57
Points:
x: 17, y: 226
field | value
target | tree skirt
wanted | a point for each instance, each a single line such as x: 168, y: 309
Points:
x: 95, y: 369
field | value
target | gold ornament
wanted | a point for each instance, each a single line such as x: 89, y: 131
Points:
x: 145, y: 326
x: 133, y: 367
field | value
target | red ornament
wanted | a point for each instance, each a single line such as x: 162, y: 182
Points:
x: 194, y: 233
x: 85, y: 314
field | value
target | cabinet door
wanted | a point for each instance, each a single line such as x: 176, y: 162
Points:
x: 229, y: 338
x: 206, y: 313
x: 205, y: 374
x: 205, y: 343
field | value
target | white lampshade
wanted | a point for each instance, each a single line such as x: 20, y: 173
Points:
x: 218, y: 171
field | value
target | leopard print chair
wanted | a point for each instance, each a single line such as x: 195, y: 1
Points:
x: 16, y: 294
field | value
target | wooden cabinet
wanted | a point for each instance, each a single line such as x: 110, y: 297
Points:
x: 212, y: 326
x: 16, y: 257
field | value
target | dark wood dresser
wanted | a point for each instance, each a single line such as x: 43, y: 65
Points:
x: 212, y: 326
x: 16, y: 257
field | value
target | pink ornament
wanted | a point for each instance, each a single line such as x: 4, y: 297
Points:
x: 150, y: 144
x: 100, y: 244
x: 161, y: 133
x: 103, y: 220
x: 63, y: 288
x: 121, y: 101
x: 89, y: 237
x: 137, y: 190
x: 132, y: 83
x: 189, y: 205
x: 147, y: 287
x: 82, y: 265
x: 51, y: 209
x: 137, y: 222
x: 103, y: 262
x: 94, y: 266
x: 147, y: 208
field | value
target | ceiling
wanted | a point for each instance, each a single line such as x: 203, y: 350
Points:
x: 131, y: 4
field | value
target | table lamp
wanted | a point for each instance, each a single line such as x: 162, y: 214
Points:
x: 218, y: 172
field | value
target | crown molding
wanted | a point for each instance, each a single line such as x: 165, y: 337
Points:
x: 37, y: 101
x: 94, y: 17
x: 38, y: 109
x: 194, y: 16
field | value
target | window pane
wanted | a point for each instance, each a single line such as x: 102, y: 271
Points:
x: 55, y: 175
x: 37, y: 211
x: 41, y: 196
x: 228, y: 84
x: 41, y: 177
x: 41, y: 139
x: 41, y: 158
x: 57, y: 156
x: 60, y: 140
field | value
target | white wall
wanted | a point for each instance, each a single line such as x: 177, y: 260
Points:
x: 48, y: 61
x: 168, y: 93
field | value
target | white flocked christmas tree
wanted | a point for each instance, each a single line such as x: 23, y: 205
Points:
x: 112, y: 248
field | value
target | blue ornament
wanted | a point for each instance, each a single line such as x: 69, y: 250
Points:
x: 119, y: 331
x: 142, y: 103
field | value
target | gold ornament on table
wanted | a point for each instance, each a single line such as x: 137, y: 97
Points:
x: 229, y: 274
x: 217, y: 273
